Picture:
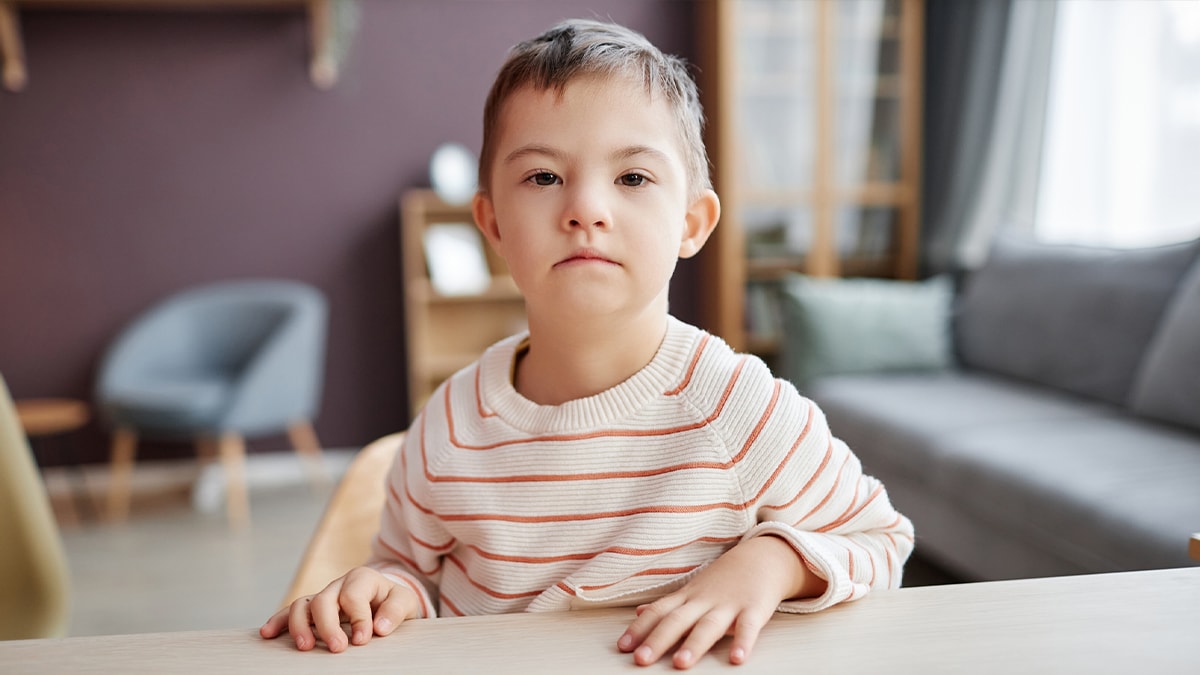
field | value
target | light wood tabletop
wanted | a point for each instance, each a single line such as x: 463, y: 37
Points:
x: 1111, y: 623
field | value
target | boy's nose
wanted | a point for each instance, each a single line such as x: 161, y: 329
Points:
x: 586, y: 208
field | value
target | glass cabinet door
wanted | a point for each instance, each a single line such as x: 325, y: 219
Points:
x: 816, y: 165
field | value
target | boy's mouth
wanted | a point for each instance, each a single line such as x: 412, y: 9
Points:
x: 586, y: 255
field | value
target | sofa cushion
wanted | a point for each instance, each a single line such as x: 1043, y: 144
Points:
x: 893, y: 422
x: 1168, y: 385
x: 1114, y: 493
x: 837, y: 326
x: 1078, y: 481
x: 1071, y: 317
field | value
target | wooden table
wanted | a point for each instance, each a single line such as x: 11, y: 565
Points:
x: 1194, y: 546
x: 1132, y: 622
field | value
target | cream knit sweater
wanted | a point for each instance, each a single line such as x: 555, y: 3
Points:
x: 497, y: 504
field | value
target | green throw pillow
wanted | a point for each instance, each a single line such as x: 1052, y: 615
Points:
x: 844, y: 326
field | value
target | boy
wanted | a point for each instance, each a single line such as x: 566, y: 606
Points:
x: 613, y: 455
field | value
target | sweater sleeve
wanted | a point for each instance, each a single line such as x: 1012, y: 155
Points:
x: 411, y: 541
x: 809, y: 489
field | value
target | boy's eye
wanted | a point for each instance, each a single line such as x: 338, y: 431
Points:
x: 632, y: 180
x: 544, y: 178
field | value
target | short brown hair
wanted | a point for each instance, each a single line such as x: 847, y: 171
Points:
x: 582, y: 47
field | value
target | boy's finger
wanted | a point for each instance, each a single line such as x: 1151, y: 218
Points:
x: 399, y: 604
x: 669, y: 630
x: 648, y: 616
x: 300, y: 625
x: 745, y: 634
x: 704, y: 634
x: 327, y: 619
x: 355, y: 600
x: 275, y: 625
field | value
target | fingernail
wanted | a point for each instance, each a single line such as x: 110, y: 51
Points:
x: 300, y: 642
x: 737, y: 655
x: 625, y: 642
x: 359, y: 636
x: 383, y: 625
x: 643, y: 654
x: 683, y: 657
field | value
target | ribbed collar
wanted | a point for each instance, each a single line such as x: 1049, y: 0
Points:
x: 664, y: 372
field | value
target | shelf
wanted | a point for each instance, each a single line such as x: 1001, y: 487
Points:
x: 869, y: 194
x: 331, y: 23
x: 446, y: 332
x: 502, y: 288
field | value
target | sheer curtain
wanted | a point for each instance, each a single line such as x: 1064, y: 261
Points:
x: 1120, y: 164
x: 987, y: 72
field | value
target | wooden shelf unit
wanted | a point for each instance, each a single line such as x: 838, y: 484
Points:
x: 329, y: 29
x: 786, y: 87
x: 447, y: 332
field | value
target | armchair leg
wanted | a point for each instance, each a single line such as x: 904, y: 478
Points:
x: 232, y: 450
x: 304, y: 440
x: 206, y: 450
x: 124, y: 446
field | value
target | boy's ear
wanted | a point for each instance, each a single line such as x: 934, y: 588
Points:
x: 701, y: 219
x: 485, y: 217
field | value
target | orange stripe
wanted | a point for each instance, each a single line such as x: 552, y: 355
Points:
x: 495, y: 594
x: 612, y: 475
x: 832, y: 491
x: 816, y: 474
x: 619, y: 550
x: 450, y: 605
x: 891, y: 566
x: 850, y: 516
x: 442, y: 548
x: 420, y: 596
x: 643, y: 573
x: 484, y: 414
x: 567, y: 589
x: 687, y: 378
x: 695, y: 508
x: 692, y: 508
x: 849, y: 507
x: 411, y: 563
x: 612, y: 433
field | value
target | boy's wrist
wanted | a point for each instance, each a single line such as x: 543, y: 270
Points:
x: 800, y: 580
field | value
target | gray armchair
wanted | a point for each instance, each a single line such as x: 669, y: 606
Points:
x: 216, y: 364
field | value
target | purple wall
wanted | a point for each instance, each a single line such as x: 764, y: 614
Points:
x: 152, y: 151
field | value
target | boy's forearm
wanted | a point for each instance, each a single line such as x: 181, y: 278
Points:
x: 802, y: 581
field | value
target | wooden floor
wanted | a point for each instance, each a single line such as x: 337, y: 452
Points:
x: 176, y: 564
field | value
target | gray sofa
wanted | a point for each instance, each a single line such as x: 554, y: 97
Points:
x: 1060, y: 433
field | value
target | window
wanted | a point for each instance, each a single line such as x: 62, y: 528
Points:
x: 1121, y: 152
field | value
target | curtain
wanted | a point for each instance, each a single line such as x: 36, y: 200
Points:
x: 986, y: 74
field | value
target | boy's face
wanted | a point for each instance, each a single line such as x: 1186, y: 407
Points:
x: 588, y: 201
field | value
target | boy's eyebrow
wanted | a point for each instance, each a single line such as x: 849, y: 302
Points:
x: 532, y: 149
x: 635, y: 150
x: 622, y: 153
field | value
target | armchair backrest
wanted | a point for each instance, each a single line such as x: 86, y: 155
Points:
x: 266, y: 337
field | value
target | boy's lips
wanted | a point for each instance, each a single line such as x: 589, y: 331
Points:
x: 585, y: 255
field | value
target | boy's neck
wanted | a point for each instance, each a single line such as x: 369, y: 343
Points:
x: 569, y: 360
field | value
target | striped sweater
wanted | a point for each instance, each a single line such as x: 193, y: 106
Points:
x: 497, y: 504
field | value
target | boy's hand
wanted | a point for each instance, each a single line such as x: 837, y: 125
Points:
x: 372, y: 603
x: 737, y: 593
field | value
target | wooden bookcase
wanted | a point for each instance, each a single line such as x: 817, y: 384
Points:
x: 447, y: 332
x: 814, y: 133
